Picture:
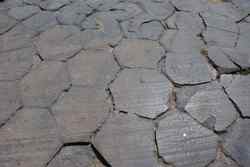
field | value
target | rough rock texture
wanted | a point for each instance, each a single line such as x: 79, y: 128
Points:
x: 23, y: 12
x: 239, y: 91
x: 237, y: 142
x: 6, y: 23
x: 183, y: 142
x: 59, y: 43
x: 75, y: 156
x: 144, y: 92
x: 139, y: 53
x: 43, y: 85
x: 80, y: 112
x: 223, y: 161
x: 213, y: 108
x: 93, y: 68
x: 127, y: 141
x: 29, y: 139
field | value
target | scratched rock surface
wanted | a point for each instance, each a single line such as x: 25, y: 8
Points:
x: 183, y: 142
x: 76, y: 156
x: 80, y: 112
x: 29, y: 139
x: 127, y: 141
x: 144, y: 92
x: 99, y: 82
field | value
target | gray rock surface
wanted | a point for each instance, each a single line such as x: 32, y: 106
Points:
x: 237, y: 142
x: 144, y: 92
x: 212, y: 108
x: 239, y: 91
x: 184, y: 143
x: 6, y: 23
x: 29, y: 139
x: 23, y: 12
x: 44, y: 84
x: 80, y: 112
x: 139, y: 53
x: 223, y: 161
x: 124, y: 138
x: 93, y: 68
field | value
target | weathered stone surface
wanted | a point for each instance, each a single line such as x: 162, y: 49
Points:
x: 126, y: 140
x: 101, y: 30
x: 80, y: 112
x: 238, y: 90
x: 237, y: 142
x: 41, y: 22
x: 23, y: 12
x: 144, y: 92
x: 10, y: 100
x: 190, y: 68
x: 221, y: 38
x: 93, y: 68
x: 212, y: 108
x: 185, y: 143
x: 139, y: 53
x: 59, y: 43
x: 54, y: 4
x: 181, y: 41
x: 223, y: 161
x: 190, y: 5
x: 6, y: 23
x: 15, y: 64
x: 29, y: 139
x: 42, y: 85
x: 75, y: 156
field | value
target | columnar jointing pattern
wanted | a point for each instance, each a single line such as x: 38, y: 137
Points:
x: 124, y: 83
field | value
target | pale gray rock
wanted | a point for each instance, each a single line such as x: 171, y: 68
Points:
x: 29, y: 139
x: 195, y: 6
x: 139, y: 53
x: 59, y: 43
x: 238, y: 89
x: 181, y: 41
x: 75, y: 156
x: 185, y: 143
x: 190, y: 68
x: 93, y: 68
x: 15, y: 64
x: 144, y: 92
x: 212, y: 108
x: 54, y: 4
x: 151, y: 30
x: 23, y: 12
x: 6, y: 23
x: 41, y: 22
x: 80, y: 112
x: 44, y: 84
x: 237, y: 142
x: 10, y: 100
x: 126, y: 140
x: 223, y: 161
x: 220, y: 38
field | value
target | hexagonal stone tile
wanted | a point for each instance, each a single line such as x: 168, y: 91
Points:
x: 43, y: 84
x: 75, y: 156
x: 181, y: 41
x: 23, y: 12
x: 212, y: 108
x: 221, y: 38
x: 80, y: 112
x: 239, y: 91
x: 144, y: 92
x: 139, y: 53
x: 223, y: 161
x: 29, y: 139
x: 6, y: 23
x: 190, y: 68
x: 59, y: 42
x: 41, y: 22
x: 15, y: 64
x: 93, y: 68
x: 237, y: 142
x: 185, y: 143
x: 10, y: 100
x: 126, y: 140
